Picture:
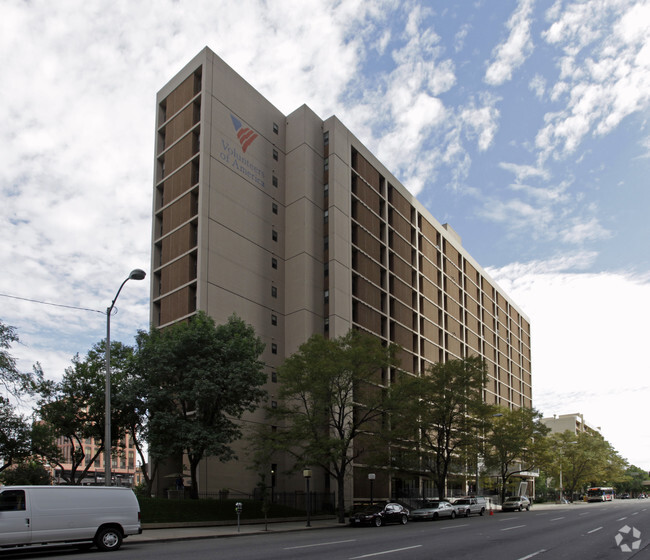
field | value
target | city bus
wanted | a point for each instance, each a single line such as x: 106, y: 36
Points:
x: 600, y: 494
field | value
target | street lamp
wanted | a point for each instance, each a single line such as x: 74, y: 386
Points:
x: 136, y: 274
x: 307, y: 474
x: 562, y: 457
x: 371, y: 478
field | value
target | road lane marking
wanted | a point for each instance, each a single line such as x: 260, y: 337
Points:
x: 585, y: 513
x: 533, y: 554
x: 556, y: 518
x: 594, y: 530
x: 454, y: 526
x: 319, y: 544
x: 515, y: 527
x: 636, y: 513
x: 385, y: 552
x: 622, y: 518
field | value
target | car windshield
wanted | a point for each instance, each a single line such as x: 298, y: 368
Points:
x: 461, y: 502
x: 373, y: 509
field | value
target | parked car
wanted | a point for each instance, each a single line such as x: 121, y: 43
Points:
x: 516, y: 503
x: 379, y: 515
x: 470, y: 504
x: 434, y: 509
x: 625, y: 496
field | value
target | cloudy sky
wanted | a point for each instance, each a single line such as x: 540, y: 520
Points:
x: 523, y: 124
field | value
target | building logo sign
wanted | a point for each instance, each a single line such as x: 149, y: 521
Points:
x: 244, y: 134
x: 233, y: 156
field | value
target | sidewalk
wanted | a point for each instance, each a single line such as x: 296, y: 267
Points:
x: 164, y: 532
x: 157, y: 532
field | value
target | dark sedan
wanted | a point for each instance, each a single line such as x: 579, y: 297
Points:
x: 380, y: 515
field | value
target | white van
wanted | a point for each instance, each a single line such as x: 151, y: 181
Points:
x: 40, y: 515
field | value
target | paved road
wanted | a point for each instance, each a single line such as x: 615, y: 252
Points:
x: 574, y: 531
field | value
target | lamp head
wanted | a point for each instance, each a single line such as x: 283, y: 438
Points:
x: 137, y: 274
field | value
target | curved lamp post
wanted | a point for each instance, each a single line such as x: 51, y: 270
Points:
x: 136, y: 274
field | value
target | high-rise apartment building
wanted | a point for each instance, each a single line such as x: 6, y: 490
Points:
x: 290, y: 222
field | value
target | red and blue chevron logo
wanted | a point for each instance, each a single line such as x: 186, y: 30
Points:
x: 246, y: 135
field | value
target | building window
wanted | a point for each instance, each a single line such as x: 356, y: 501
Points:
x: 274, y: 262
x: 276, y: 128
x: 274, y: 348
x: 326, y: 137
x: 327, y: 296
x: 274, y: 235
x: 326, y: 216
x: 326, y: 324
x: 274, y: 207
x: 274, y: 376
x: 274, y: 292
x: 274, y: 180
x: 274, y: 319
x: 275, y: 154
x: 326, y: 165
x: 326, y: 243
x: 326, y: 269
x: 274, y: 404
x: 326, y: 189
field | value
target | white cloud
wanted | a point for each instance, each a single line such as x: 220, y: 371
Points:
x: 604, y: 71
x: 538, y: 85
x: 580, y: 231
x: 588, y: 331
x: 511, y: 54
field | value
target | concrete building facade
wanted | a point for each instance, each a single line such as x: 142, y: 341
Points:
x: 290, y: 222
x: 574, y: 423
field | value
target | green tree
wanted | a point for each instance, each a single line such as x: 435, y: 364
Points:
x: 444, y: 418
x: 74, y: 409
x: 584, y: 459
x: 330, y: 394
x: 26, y: 473
x: 11, y: 378
x: 515, y: 443
x: 201, y: 379
x: 632, y: 481
x: 15, y: 440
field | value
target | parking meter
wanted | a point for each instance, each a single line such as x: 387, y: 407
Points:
x: 238, y: 509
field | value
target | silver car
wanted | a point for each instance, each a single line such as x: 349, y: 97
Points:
x: 516, y: 503
x: 433, y: 509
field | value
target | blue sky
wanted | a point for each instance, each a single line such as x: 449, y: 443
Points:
x: 523, y: 124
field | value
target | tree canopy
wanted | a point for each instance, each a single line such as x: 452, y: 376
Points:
x: 444, y: 416
x: 74, y: 409
x: 583, y: 459
x: 515, y: 443
x: 200, y: 378
x: 330, y: 394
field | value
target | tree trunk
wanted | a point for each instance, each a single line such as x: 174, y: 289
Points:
x: 340, y: 483
x: 194, y: 489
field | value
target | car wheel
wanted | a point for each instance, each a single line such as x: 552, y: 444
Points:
x: 453, y: 515
x: 435, y: 516
x: 378, y: 521
x: 403, y: 520
x: 108, y: 539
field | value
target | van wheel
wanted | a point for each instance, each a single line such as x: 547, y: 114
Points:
x: 108, y: 539
x: 482, y: 511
